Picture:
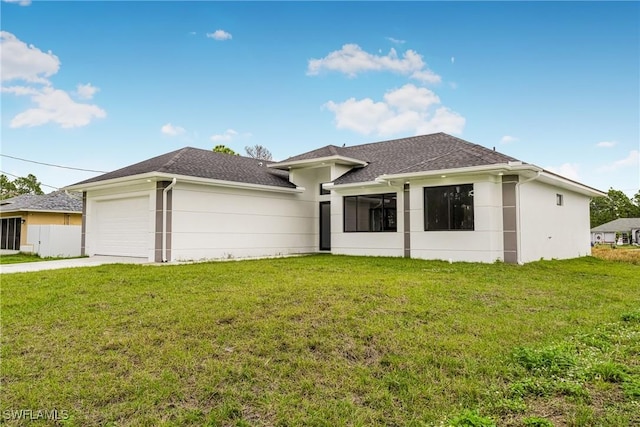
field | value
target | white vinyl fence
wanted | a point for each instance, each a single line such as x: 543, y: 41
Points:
x: 55, y: 240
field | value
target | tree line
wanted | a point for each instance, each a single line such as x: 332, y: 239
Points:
x: 22, y: 185
x: 615, y: 205
x: 256, y: 151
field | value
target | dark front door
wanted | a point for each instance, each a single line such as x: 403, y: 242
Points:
x: 325, y: 226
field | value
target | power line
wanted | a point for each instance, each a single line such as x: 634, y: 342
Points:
x: 16, y: 176
x: 50, y: 164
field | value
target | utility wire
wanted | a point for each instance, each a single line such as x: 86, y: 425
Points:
x: 50, y: 164
x: 16, y: 176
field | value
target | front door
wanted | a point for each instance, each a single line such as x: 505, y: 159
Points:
x: 325, y: 226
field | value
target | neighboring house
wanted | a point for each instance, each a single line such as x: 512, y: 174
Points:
x: 627, y: 229
x: 17, y: 213
x: 431, y: 197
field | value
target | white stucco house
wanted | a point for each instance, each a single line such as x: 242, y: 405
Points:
x: 432, y: 197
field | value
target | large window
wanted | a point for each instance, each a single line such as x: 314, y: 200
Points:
x: 373, y: 212
x: 448, y: 208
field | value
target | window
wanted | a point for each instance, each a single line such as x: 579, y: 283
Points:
x: 324, y: 192
x: 374, y: 212
x: 448, y: 207
x: 559, y: 200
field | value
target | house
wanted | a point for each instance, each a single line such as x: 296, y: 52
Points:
x: 18, y: 213
x: 625, y: 229
x: 432, y: 197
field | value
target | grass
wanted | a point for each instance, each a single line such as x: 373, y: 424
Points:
x: 24, y: 257
x: 629, y: 254
x: 325, y: 340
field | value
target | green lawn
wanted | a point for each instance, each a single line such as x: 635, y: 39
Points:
x: 19, y: 257
x: 24, y: 257
x: 325, y: 341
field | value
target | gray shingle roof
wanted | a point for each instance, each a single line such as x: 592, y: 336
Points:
x: 419, y: 153
x: 620, y: 224
x: 56, y: 201
x: 201, y: 163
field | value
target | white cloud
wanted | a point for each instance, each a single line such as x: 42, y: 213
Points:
x: 363, y: 116
x: 453, y: 59
x: 508, y: 139
x: 25, y: 62
x: 606, y: 144
x: 56, y: 106
x: 407, y: 109
x: 20, y: 90
x: 351, y: 60
x: 426, y: 76
x: 568, y: 170
x: 227, y: 135
x: 29, y: 64
x: 86, y: 91
x: 632, y: 159
x: 172, y: 130
x: 396, y: 41
x: 20, y: 2
x: 220, y: 35
x: 444, y: 120
x: 410, y: 97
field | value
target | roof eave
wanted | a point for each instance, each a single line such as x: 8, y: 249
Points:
x: 319, y: 161
x: 568, y: 184
x: 158, y: 176
x: 497, y: 169
x: 519, y: 168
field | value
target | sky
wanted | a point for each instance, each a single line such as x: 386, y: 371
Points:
x: 102, y: 85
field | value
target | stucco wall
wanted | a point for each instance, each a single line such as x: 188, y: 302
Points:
x: 550, y: 231
x: 218, y: 222
x: 483, y: 244
x: 388, y: 243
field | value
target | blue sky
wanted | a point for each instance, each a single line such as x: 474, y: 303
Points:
x: 101, y: 85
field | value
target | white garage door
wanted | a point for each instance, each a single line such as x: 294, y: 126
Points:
x: 123, y: 227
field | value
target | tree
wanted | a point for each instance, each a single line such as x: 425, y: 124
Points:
x: 20, y: 185
x: 615, y: 205
x: 224, y: 150
x: 258, y: 152
x: 28, y: 185
x: 7, y: 189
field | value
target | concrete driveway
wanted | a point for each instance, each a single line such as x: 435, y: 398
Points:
x: 69, y: 263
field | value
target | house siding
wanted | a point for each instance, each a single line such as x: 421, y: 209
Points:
x: 389, y: 243
x: 549, y: 231
x: 225, y: 223
x: 483, y: 244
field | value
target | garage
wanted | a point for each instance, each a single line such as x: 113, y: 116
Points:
x: 123, y: 227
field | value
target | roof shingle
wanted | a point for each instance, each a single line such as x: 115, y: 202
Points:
x: 620, y: 224
x: 416, y: 154
x: 201, y: 163
x: 56, y: 201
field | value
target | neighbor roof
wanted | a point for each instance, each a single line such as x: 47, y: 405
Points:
x: 437, y: 151
x: 57, y: 201
x: 620, y: 224
x: 201, y: 163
